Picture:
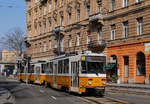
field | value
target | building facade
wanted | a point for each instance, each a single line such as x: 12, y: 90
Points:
x: 119, y: 28
x: 71, y: 24
x: 8, y: 61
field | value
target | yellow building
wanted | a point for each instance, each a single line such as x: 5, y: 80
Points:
x: 8, y: 61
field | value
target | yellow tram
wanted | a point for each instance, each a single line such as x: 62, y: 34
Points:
x: 79, y: 73
x: 34, y: 73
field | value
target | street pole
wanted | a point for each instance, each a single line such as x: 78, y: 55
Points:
x: 27, y: 72
x: 59, y: 43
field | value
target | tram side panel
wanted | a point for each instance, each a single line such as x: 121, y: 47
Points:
x: 49, y: 74
x: 22, y: 77
x: 63, y: 78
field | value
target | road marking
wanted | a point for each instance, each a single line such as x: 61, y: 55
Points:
x: 41, y: 91
x: 53, y: 97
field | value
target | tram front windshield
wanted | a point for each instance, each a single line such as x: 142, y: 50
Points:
x: 93, y: 67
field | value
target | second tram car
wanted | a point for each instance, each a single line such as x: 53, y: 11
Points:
x: 35, y: 73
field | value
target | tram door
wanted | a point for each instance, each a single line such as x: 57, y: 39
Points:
x: 55, y: 74
x: 74, y: 76
x: 37, y: 74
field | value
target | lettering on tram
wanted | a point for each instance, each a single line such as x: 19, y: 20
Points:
x: 82, y: 73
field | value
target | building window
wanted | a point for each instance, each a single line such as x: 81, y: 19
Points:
x: 62, y: 20
x: 112, y: 5
x: 88, y: 11
x: 70, y: 41
x: 50, y: 44
x: 140, y: 64
x: 40, y: 27
x: 126, y: 66
x: 6, y: 57
x: 88, y: 39
x: 139, y: 26
x: 124, y: 3
x: 78, y: 39
x: 35, y: 27
x: 40, y: 45
x: 55, y: 4
x: 35, y: 1
x: 45, y: 46
x: 50, y: 24
x: 138, y: 1
x: 50, y: 6
x: 62, y: 44
x: 40, y: 11
x: 55, y: 21
x: 100, y: 7
x: 35, y: 50
x: 78, y: 15
x: 55, y: 43
x: 70, y: 18
x: 100, y: 36
x: 45, y: 10
x: 62, y: 2
x: 125, y: 29
x: 44, y: 23
x: 113, y: 32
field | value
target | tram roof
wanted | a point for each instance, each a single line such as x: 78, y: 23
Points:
x: 72, y: 55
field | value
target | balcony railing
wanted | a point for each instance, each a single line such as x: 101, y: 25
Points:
x: 95, y: 17
x: 43, y: 2
x: 58, y: 29
x: 97, y: 45
x: 58, y: 51
x: 27, y: 43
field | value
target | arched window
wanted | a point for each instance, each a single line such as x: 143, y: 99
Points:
x: 140, y: 64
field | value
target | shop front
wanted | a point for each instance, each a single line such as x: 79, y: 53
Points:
x: 130, y: 63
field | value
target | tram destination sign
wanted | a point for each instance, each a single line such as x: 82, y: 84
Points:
x: 96, y: 58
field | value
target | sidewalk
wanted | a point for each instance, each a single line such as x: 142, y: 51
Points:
x: 6, y: 97
x: 139, y: 89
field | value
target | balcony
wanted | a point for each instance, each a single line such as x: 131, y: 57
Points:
x: 58, y: 29
x: 97, y: 45
x: 95, y: 17
x: 27, y: 41
x: 43, y: 2
x: 58, y: 51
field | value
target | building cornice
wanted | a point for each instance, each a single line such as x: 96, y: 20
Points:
x: 129, y: 10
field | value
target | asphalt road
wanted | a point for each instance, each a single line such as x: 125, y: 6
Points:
x: 35, y: 94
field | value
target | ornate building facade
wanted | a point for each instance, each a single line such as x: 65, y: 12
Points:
x: 71, y: 24
x: 119, y: 28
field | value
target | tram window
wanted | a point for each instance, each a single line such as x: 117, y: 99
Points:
x: 60, y: 66
x: 83, y: 67
x: 66, y: 66
x: 43, y: 68
x: 51, y: 67
x: 95, y: 67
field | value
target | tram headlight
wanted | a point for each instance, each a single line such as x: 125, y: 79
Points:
x: 89, y: 82
x: 103, y: 81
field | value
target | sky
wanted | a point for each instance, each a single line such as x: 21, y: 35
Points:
x: 12, y: 15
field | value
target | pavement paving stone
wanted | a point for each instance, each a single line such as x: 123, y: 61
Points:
x: 139, y: 89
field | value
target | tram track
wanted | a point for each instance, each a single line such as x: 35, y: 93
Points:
x: 103, y: 100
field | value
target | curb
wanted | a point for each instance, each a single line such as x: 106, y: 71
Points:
x: 6, y: 97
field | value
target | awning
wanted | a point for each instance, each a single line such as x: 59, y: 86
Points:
x: 110, y: 66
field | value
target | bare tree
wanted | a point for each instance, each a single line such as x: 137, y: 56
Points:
x: 14, y: 40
